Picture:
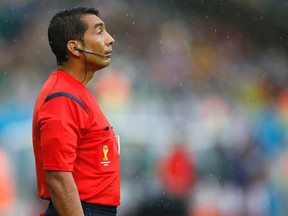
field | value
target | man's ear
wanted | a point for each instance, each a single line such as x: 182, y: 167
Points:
x: 72, y: 46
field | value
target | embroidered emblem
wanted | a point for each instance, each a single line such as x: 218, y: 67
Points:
x: 105, y: 152
x: 105, y: 161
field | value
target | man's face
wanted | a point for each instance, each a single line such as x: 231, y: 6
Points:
x: 97, y: 40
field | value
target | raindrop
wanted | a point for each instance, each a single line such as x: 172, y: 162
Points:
x: 133, y: 23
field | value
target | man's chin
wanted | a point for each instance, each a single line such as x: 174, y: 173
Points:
x: 102, y: 66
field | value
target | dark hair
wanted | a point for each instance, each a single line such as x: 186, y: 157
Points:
x: 67, y: 25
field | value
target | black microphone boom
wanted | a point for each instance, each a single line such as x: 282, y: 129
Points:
x: 90, y: 52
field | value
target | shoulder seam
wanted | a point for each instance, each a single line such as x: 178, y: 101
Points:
x: 66, y: 94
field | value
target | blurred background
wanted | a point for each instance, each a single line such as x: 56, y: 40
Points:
x: 197, y: 91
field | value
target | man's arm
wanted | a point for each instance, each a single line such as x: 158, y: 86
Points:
x: 64, y: 193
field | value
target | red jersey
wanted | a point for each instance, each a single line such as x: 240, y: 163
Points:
x: 70, y: 133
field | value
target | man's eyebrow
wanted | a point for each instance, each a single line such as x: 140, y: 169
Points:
x: 99, y: 24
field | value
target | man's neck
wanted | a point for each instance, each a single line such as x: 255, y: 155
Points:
x: 82, y: 75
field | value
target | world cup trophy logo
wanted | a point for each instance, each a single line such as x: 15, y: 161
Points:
x: 105, y: 152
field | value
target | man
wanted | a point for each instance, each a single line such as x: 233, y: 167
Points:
x: 76, y: 150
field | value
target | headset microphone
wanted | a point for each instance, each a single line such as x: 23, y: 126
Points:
x: 90, y: 52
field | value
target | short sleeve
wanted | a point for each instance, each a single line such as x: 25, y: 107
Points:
x: 61, y: 123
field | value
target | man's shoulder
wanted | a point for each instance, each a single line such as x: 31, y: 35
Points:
x: 56, y: 82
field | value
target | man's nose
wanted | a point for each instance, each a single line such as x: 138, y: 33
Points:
x: 110, y: 39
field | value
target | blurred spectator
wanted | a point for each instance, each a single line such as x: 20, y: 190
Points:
x: 7, y: 187
x: 176, y: 171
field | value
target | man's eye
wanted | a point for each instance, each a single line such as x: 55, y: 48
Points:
x: 99, y: 32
